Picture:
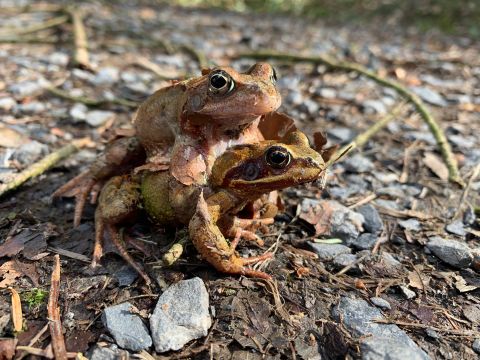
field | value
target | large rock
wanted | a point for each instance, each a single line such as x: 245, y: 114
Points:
x: 127, y: 329
x: 181, y: 315
x: 327, y: 252
x: 373, y: 222
x: 452, y: 252
x: 380, y: 341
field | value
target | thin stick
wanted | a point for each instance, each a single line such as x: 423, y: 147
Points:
x: 437, y: 132
x: 363, y: 137
x: 422, y: 326
x: 475, y: 173
x: 80, y: 56
x: 55, y: 324
x: 51, y: 23
x: 349, y: 266
x: 41, y: 166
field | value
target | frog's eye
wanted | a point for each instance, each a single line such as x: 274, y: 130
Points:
x: 250, y: 172
x: 221, y: 83
x: 273, y: 78
x: 278, y: 157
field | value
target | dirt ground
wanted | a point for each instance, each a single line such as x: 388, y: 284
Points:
x: 399, y: 171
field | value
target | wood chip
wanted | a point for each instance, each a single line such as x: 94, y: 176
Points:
x: 435, y: 163
x: 17, y: 315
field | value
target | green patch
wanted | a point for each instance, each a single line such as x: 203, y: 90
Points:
x: 35, y: 297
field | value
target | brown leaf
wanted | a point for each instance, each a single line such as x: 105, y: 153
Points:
x: 188, y: 166
x: 7, y: 348
x: 8, y: 272
x: 416, y: 281
x: 17, y: 315
x: 10, y: 138
x: 462, y: 285
x: 434, y: 163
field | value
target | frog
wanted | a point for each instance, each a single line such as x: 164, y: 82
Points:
x: 183, y: 127
x: 240, y: 175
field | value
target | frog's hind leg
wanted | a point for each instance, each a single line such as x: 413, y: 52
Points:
x: 118, y: 202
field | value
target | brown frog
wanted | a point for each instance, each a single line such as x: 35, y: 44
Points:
x: 240, y: 175
x: 184, y: 127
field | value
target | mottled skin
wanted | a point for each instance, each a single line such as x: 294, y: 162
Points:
x: 241, y: 175
x: 187, y: 125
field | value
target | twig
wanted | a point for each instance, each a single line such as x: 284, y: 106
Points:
x: 80, y: 55
x: 362, y: 138
x: 197, y: 55
x: 41, y: 166
x: 55, y: 323
x: 150, y: 65
x: 351, y: 265
x: 51, y: 23
x: 423, y: 326
x: 475, y: 173
x: 437, y: 132
x: 33, y: 341
x: 404, y: 213
x: 89, y: 101
x: 27, y: 40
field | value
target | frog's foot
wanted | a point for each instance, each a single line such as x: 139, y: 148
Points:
x: 240, y: 233
x: 241, y: 269
x: 79, y: 187
x: 115, y: 236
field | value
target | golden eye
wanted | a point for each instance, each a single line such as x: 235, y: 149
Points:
x: 273, y: 78
x: 220, y: 83
x: 278, y: 157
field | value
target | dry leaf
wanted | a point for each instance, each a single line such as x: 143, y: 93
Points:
x: 418, y: 280
x: 462, y: 286
x: 8, y: 273
x: 434, y: 163
x: 17, y: 315
x: 10, y: 138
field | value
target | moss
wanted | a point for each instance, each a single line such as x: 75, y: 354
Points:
x: 35, y: 297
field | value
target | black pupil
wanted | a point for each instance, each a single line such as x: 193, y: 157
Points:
x: 277, y: 157
x: 218, y: 81
x: 274, y: 75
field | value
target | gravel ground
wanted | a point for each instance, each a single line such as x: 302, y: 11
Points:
x: 393, y: 274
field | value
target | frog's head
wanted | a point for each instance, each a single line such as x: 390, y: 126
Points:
x: 231, y: 98
x: 249, y: 171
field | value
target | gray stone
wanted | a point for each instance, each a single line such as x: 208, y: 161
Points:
x: 375, y: 106
x: 327, y: 93
x: 381, y: 303
x: 7, y: 103
x: 106, y: 76
x: 410, y: 224
x: 294, y: 97
x: 358, y: 164
x: 456, y: 228
x: 373, y: 222
x: 30, y: 108
x: 469, y: 216
x: 432, y: 334
x: 78, y: 112
x: 426, y: 137
x: 310, y: 106
x: 127, y: 328
x: 389, y: 204
x: 343, y: 260
x: 28, y: 153
x: 104, y: 353
x: 365, y: 241
x: 341, y: 135
x: 28, y: 87
x: 380, y: 341
x: 97, y: 118
x: 476, y: 346
x: 58, y: 58
x: 452, y: 252
x: 409, y: 294
x: 181, y: 315
x: 461, y: 141
x: 390, y: 261
x: 327, y: 252
x: 430, y: 96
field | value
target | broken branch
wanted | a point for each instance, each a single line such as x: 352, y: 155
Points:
x: 41, y: 166
x: 421, y: 108
x: 80, y: 56
x: 55, y: 323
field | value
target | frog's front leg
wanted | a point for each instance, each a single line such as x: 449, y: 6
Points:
x: 119, y: 202
x: 212, y: 245
x: 119, y: 157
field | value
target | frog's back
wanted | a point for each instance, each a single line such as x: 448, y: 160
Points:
x: 157, y: 119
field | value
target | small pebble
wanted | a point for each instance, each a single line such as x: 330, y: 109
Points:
x: 344, y: 260
x: 381, y: 303
x: 365, y: 241
x: 373, y: 222
x: 410, y: 224
x: 106, y: 76
x: 97, y: 118
x: 7, y: 103
x: 327, y: 252
x: 358, y: 164
x: 432, y: 334
x: 476, y: 346
x: 452, y: 252
x: 409, y: 294
x: 456, y: 228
